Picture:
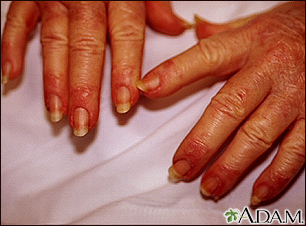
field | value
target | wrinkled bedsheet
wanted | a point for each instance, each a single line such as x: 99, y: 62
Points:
x: 117, y: 174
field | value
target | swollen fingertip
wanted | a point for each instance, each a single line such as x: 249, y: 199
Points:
x: 123, y: 100
x: 81, y: 119
x: 55, y: 106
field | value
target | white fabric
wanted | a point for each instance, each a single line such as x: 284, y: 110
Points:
x: 116, y: 174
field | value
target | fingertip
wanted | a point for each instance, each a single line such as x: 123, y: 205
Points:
x: 81, y: 120
x: 140, y: 85
x: 260, y: 193
x: 255, y: 200
x: 55, y: 106
x: 161, y: 18
x: 148, y: 84
x: 178, y: 170
x: 123, y: 100
x: 204, y: 29
x: 6, y: 71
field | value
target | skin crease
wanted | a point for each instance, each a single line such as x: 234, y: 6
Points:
x: 263, y: 57
x: 80, y: 43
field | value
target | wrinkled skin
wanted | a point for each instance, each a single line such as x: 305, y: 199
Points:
x: 263, y: 57
x: 73, y: 39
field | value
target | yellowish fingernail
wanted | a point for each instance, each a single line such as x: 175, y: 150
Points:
x: 197, y: 19
x: 259, y: 194
x: 140, y: 86
x: 255, y: 200
x: 123, y: 108
x: 186, y: 24
x: 55, y: 106
x: 178, y: 170
x: 80, y: 122
x: 6, y: 70
x: 209, y: 186
x: 123, y: 100
x: 148, y: 84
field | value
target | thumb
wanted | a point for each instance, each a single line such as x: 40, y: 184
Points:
x: 204, y: 29
x: 161, y: 18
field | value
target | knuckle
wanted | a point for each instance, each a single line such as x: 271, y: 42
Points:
x: 15, y: 23
x: 257, y: 135
x: 293, y: 156
x: 211, y: 51
x: 53, y: 39
x: 88, y: 44
x: 127, y: 31
x: 232, y: 104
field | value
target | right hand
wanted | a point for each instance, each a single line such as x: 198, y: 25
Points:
x: 73, y: 39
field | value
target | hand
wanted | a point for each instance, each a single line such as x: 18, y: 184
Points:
x: 263, y: 99
x: 73, y: 39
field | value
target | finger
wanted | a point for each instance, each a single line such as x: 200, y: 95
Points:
x: 284, y: 167
x: 253, y: 138
x: 87, y: 37
x: 54, y: 41
x: 205, y: 29
x: 217, y: 55
x: 161, y: 18
x: 21, y: 20
x: 231, y: 105
x: 126, y: 29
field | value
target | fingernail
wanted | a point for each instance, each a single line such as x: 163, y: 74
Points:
x: 6, y: 70
x: 178, y: 170
x: 80, y: 122
x: 123, y: 100
x: 259, y: 195
x: 148, y: 85
x: 186, y: 24
x: 55, y: 106
x: 209, y: 186
x: 197, y: 19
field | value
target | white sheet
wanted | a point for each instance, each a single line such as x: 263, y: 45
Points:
x: 117, y: 174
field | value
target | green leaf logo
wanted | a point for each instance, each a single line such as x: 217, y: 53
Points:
x: 230, y: 214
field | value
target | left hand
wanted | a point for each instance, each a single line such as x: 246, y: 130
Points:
x: 264, y: 99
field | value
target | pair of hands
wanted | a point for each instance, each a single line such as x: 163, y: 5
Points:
x: 262, y: 55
